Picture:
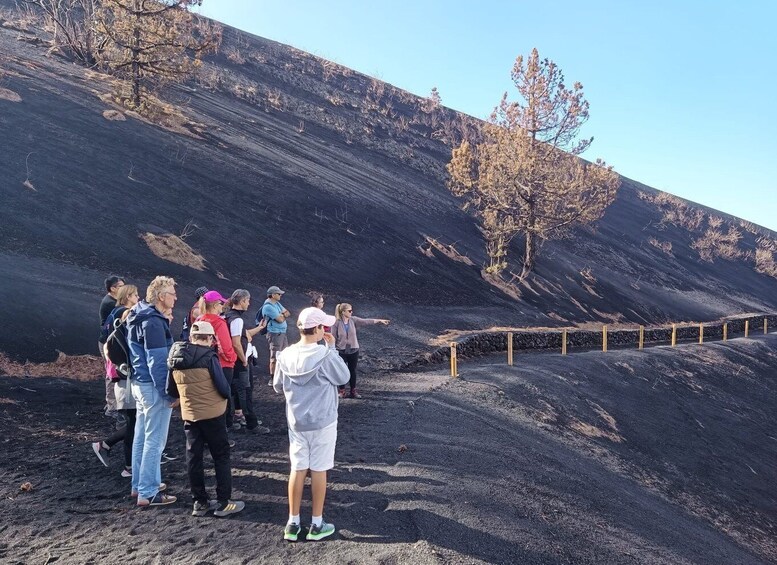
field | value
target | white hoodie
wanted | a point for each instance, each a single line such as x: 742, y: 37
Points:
x: 308, y: 375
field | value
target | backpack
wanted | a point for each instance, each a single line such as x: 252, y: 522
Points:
x: 118, y: 349
x: 261, y: 323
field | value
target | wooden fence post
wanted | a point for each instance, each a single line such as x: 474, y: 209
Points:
x: 563, y: 342
x: 747, y: 327
x: 674, y: 335
x: 454, y: 361
x: 701, y: 333
x: 766, y: 325
x: 642, y: 337
x: 725, y: 331
x: 604, y: 339
x: 510, y: 348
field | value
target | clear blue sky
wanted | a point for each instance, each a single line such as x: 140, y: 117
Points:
x: 682, y: 92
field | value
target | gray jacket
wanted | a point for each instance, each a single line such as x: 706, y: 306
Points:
x: 308, y: 375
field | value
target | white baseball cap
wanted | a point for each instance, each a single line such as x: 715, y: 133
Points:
x: 313, y: 317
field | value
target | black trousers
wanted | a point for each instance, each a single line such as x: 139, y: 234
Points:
x: 214, y: 433
x: 351, y: 359
x: 229, y: 373
x: 246, y: 380
x: 239, y: 385
x: 125, y: 432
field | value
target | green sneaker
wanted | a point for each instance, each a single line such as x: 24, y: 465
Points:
x: 291, y: 532
x: 320, y: 532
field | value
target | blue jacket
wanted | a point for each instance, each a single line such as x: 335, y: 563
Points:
x: 149, y: 338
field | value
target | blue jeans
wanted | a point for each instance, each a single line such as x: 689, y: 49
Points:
x: 151, y: 425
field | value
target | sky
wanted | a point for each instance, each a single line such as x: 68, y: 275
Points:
x: 682, y: 92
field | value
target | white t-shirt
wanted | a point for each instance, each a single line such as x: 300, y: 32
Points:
x: 236, y: 327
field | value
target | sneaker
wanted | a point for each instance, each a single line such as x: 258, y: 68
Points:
x: 355, y: 393
x: 101, y: 452
x: 237, y: 426
x: 231, y: 443
x: 229, y: 507
x: 258, y: 430
x: 341, y: 393
x: 320, y: 532
x: 269, y: 383
x: 159, y: 499
x: 126, y: 473
x: 162, y: 488
x: 291, y: 532
x: 202, y: 508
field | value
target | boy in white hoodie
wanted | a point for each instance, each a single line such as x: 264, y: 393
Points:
x: 309, y: 374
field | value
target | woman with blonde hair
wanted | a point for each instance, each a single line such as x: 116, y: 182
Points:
x: 126, y: 298
x: 346, y: 342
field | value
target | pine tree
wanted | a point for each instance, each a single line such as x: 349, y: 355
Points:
x: 523, y: 175
x: 150, y: 42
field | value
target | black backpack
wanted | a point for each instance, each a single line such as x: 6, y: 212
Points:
x: 117, y: 349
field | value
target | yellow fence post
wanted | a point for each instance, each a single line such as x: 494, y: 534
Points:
x: 563, y: 342
x: 454, y: 361
x: 747, y: 327
x: 725, y: 331
x: 701, y: 333
x: 674, y: 335
x: 510, y: 348
x: 642, y: 337
x: 604, y: 339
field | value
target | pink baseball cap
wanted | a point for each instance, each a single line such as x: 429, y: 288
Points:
x: 214, y: 296
x: 313, y: 317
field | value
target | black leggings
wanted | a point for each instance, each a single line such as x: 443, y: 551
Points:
x: 351, y: 359
x: 126, y: 433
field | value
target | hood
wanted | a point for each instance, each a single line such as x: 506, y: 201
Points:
x: 185, y: 355
x: 141, y: 312
x: 300, y: 363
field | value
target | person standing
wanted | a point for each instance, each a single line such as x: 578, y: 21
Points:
x: 194, y: 312
x: 195, y: 376
x: 308, y: 375
x: 344, y: 332
x: 108, y: 303
x: 211, y: 308
x: 149, y: 338
x: 243, y: 382
x: 275, y: 315
x: 126, y: 298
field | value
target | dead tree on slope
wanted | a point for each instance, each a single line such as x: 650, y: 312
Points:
x: 524, y: 174
x: 150, y: 42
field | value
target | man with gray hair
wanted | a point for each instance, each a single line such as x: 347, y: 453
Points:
x: 149, y: 340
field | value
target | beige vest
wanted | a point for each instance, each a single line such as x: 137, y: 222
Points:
x: 199, y: 398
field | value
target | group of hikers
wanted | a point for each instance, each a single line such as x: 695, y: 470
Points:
x: 209, y: 374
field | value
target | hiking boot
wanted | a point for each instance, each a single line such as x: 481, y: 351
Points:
x: 291, y: 532
x: 159, y: 499
x: 202, y: 508
x: 162, y: 488
x: 229, y: 507
x: 101, y: 452
x: 320, y: 532
x: 258, y: 430
x: 126, y: 473
x: 355, y: 393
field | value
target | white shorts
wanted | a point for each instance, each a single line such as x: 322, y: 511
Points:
x: 313, y: 450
